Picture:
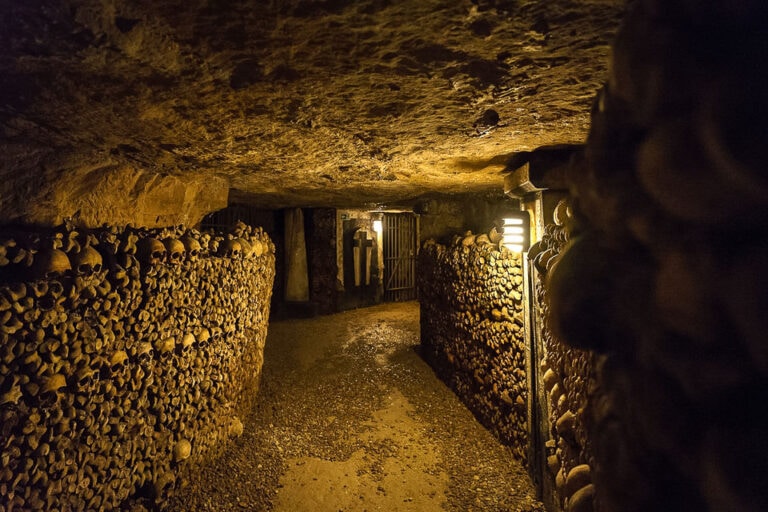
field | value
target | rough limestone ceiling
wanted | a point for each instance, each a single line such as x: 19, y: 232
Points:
x: 139, y: 110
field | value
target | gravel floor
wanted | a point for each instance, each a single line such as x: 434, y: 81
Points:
x: 349, y: 418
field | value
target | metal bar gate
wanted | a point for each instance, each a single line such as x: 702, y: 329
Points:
x: 399, y: 257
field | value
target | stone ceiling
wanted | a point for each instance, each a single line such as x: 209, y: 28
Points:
x: 109, y: 107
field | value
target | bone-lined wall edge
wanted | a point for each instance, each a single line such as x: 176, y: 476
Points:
x: 472, y: 329
x: 128, y: 357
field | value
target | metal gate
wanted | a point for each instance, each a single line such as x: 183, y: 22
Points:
x: 400, y: 245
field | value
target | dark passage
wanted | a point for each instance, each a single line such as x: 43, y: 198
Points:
x: 350, y: 418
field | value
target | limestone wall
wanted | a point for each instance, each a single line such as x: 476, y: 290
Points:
x: 440, y: 216
x: 472, y: 330
x: 92, y: 191
x: 127, y: 358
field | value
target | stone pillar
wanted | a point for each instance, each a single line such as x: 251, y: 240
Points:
x: 297, y: 277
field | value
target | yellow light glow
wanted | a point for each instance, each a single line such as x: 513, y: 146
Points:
x: 514, y: 230
x: 513, y: 222
x: 377, y: 226
x: 514, y: 247
x: 513, y: 239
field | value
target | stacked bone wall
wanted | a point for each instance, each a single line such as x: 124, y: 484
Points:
x: 472, y: 331
x: 566, y: 374
x: 117, y: 379
x: 664, y: 275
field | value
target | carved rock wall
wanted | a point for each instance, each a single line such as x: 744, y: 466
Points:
x: 440, y: 217
x: 472, y: 331
x: 125, y: 362
x: 104, y: 190
x: 287, y: 103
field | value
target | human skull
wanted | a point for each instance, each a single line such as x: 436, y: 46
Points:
x: 117, y: 361
x: 182, y: 450
x: 175, y: 249
x: 86, y: 379
x: 187, y: 341
x: 192, y: 246
x: 258, y: 247
x: 51, y: 263
x: 144, y: 352
x: 87, y: 261
x: 49, y: 392
x: 203, y: 335
x: 150, y: 251
x: 247, y: 248
x: 230, y: 248
x: 165, y: 346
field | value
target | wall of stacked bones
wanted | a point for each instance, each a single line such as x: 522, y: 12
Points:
x: 664, y: 276
x: 566, y: 374
x: 127, y: 358
x: 471, y: 296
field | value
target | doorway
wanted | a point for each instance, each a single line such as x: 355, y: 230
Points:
x: 400, y: 237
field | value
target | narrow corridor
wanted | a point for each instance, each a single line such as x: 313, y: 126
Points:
x: 350, y: 418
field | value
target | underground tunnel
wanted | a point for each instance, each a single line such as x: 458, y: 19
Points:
x: 491, y: 255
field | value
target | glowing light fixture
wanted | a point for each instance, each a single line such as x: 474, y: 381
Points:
x: 377, y: 227
x: 515, y: 231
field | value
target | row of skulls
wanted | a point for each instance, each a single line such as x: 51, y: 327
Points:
x: 51, y: 263
x: 171, y: 250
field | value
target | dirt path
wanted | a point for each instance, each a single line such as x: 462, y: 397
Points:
x: 350, y: 418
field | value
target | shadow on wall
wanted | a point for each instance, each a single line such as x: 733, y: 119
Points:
x: 664, y: 276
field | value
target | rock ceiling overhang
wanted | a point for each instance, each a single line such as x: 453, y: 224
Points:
x: 284, y: 103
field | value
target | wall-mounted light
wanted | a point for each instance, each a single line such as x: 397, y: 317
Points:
x: 516, y: 231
